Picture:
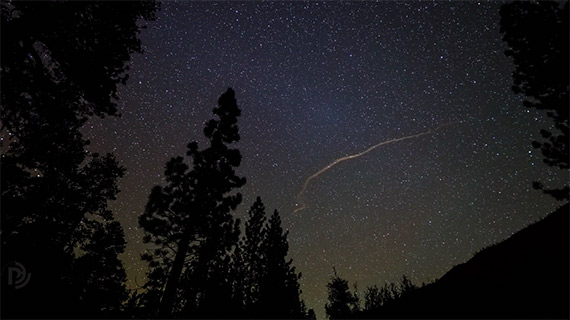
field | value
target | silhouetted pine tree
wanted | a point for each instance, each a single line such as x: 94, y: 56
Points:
x: 406, y: 286
x: 61, y: 64
x: 253, y: 255
x: 167, y: 223
x: 537, y: 34
x: 190, y: 222
x: 98, y: 275
x: 341, y: 302
x: 265, y: 283
x: 238, y: 281
x: 356, y: 305
x: 213, y: 178
x: 279, y: 285
x: 372, y: 298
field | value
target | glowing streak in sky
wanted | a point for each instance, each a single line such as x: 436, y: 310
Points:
x: 303, y: 206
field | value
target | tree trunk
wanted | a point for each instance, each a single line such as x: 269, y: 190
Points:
x: 167, y: 302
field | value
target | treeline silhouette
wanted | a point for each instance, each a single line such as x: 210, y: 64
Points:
x: 62, y: 62
x: 199, y: 262
x: 346, y: 304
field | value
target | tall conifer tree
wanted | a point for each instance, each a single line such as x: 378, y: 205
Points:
x: 190, y: 220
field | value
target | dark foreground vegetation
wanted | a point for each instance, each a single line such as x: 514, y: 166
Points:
x: 61, y: 65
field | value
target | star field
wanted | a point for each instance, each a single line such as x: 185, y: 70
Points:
x: 317, y: 81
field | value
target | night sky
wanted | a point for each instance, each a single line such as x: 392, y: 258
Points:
x: 320, y: 81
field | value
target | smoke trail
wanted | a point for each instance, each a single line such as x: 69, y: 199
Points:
x: 303, y: 206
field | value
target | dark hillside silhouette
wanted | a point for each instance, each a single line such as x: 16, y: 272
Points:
x: 525, y: 276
